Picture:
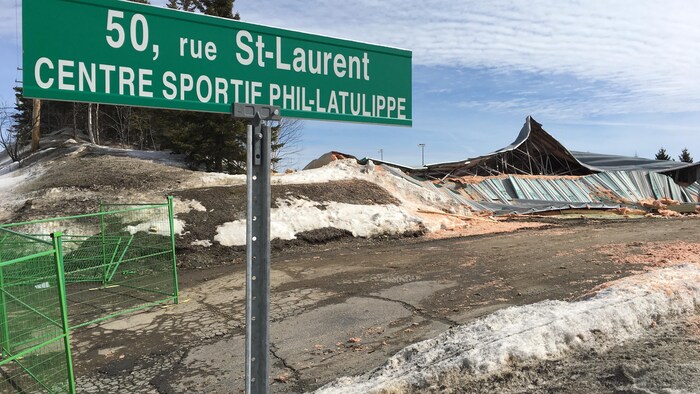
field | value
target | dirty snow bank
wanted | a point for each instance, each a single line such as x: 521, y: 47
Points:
x: 545, y: 330
x: 11, y: 180
x: 297, y: 215
x: 410, y: 194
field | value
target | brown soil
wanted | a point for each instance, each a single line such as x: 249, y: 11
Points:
x: 90, y: 170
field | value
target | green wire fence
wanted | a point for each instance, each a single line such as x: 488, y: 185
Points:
x: 104, y: 264
x: 34, y: 332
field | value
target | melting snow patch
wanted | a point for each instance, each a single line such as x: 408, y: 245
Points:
x: 334, y: 171
x: 11, y: 180
x: 201, y: 242
x: 295, y: 216
x: 157, y: 227
x: 185, y: 206
x: 545, y: 330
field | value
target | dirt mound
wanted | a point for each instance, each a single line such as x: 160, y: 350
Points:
x: 92, y: 169
x: 323, y: 235
x: 228, y: 203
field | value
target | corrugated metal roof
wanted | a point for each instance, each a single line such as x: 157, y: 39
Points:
x: 401, y: 174
x: 694, y: 191
x: 604, y: 190
x: 550, y: 189
x: 528, y: 194
x: 634, y: 186
x: 603, y: 162
x: 532, y: 206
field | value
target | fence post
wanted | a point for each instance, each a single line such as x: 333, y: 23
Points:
x: 104, y: 246
x: 171, y: 219
x: 58, y: 248
x: 5, y: 338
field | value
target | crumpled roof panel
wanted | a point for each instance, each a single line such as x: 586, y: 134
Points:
x: 536, y: 152
x: 694, y: 191
x: 520, y: 194
x: 536, y: 173
x: 533, y: 152
x: 602, y: 162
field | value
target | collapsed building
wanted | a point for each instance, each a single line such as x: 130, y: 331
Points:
x: 536, y: 173
x: 536, y: 152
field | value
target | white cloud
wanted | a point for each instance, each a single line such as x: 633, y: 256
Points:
x: 10, y: 19
x: 645, y: 51
x: 642, y: 54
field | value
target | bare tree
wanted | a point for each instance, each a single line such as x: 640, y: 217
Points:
x: 6, y: 137
x: 120, y: 122
x: 142, y: 123
x: 286, y: 142
x: 12, y: 138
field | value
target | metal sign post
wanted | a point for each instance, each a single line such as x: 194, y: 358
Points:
x: 258, y: 165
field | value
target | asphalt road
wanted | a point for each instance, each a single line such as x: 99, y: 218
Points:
x: 342, y: 308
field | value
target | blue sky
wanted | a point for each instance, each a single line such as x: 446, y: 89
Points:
x: 618, y: 77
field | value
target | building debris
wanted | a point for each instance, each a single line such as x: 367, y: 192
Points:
x: 536, y: 173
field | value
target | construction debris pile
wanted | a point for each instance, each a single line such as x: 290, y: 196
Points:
x: 536, y: 173
x: 522, y: 194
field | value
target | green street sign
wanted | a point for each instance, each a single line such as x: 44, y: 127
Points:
x: 123, y: 53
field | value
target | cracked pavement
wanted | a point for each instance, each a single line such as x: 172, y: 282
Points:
x: 343, y: 308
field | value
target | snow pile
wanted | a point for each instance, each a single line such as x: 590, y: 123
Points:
x: 297, y: 215
x: 157, y: 226
x: 545, y: 330
x: 410, y: 194
x: 7, y: 166
x: 336, y: 171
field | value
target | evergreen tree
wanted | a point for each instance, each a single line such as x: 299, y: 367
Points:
x: 185, y: 5
x: 685, y: 156
x: 22, y: 117
x: 222, y: 8
x: 20, y: 132
x: 662, y: 155
x: 54, y: 115
x: 213, y: 142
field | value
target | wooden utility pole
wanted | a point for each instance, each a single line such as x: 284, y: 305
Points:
x: 36, y: 125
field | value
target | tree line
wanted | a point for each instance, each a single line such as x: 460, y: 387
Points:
x: 210, y: 142
x: 684, y: 157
